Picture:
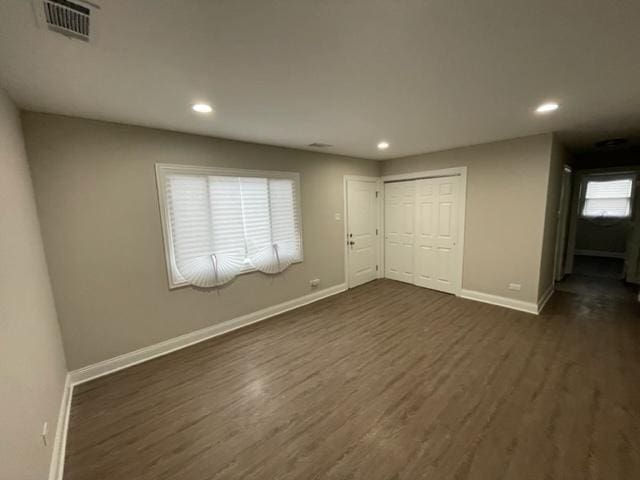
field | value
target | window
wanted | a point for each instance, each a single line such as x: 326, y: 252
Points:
x: 608, y: 198
x: 219, y: 223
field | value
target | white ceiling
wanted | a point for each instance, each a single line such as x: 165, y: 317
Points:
x: 424, y: 75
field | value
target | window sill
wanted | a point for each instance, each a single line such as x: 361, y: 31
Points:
x: 604, y: 219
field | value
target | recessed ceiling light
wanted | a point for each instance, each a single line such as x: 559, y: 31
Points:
x: 383, y: 145
x: 201, y: 108
x: 547, y: 107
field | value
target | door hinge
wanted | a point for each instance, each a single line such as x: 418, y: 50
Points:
x: 376, y: 268
x: 377, y: 194
x: 376, y: 231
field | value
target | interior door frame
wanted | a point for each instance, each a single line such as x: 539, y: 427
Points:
x: 379, y: 225
x: 562, y: 225
x: 579, y: 185
x: 444, y: 172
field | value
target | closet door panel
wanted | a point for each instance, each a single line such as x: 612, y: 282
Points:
x: 399, y: 230
x: 427, y: 230
x: 447, y: 234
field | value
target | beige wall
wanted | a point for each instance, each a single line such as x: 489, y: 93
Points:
x: 609, y: 237
x: 96, y: 192
x: 505, y: 210
x: 98, y: 207
x: 559, y: 158
x: 32, y: 366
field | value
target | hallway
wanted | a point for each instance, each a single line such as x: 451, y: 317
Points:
x: 599, y: 277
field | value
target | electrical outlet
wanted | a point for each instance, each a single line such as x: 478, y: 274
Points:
x: 515, y: 286
x: 315, y: 282
x: 45, y: 431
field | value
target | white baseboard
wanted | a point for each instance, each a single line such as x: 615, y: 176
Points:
x: 521, y: 305
x: 121, y: 362
x: 599, y: 253
x: 126, y: 360
x: 56, y: 468
x: 546, y: 297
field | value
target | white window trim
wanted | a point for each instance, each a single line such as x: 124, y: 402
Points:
x: 604, y: 177
x: 165, y: 169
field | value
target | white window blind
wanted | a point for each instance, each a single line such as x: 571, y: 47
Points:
x: 608, y: 198
x: 221, y: 223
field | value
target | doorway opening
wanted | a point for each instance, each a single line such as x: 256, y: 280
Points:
x: 603, y: 244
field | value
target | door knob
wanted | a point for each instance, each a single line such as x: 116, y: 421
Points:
x: 351, y: 242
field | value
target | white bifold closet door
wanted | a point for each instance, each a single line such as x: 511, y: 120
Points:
x: 421, y: 232
x: 399, y: 215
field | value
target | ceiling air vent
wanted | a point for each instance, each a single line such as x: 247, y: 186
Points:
x: 320, y: 145
x: 612, y: 142
x: 69, y: 18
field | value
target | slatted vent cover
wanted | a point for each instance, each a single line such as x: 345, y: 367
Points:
x: 69, y: 18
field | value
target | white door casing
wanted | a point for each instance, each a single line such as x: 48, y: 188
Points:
x: 362, y: 231
x: 562, y: 225
x: 399, y: 230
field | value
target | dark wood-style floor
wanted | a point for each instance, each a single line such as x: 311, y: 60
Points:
x: 600, y: 267
x: 386, y: 381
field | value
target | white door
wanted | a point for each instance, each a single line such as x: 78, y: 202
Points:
x: 436, y: 248
x: 362, y: 231
x: 425, y: 256
x: 399, y: 217
x: 421, y: 231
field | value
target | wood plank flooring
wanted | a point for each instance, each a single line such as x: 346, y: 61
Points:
x: 386, y: 381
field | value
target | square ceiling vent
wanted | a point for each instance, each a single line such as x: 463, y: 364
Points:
x: 71, y: 18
